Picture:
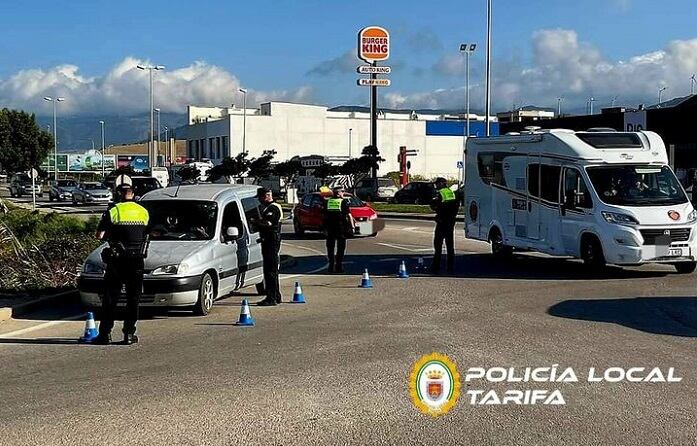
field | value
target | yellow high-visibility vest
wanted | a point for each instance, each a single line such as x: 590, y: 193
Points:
x: 129, y: 213
x: 446, y: 194
x: 334, y: 204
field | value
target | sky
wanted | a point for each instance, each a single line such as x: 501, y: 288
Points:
x: 303, y: 51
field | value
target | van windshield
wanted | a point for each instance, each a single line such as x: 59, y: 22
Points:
x: 636, y: 185
x: 181, y: 220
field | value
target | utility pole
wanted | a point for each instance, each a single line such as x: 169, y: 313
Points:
x: 487, y: 108
x: 55, y: 134
x: 151, y: 149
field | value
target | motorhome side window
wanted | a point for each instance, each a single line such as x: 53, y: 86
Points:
x: 545, y: 186
x: 576, y: 193
x: 490, y: 167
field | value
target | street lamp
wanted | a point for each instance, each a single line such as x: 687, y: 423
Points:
x: 159, y: 135
x: 660, y: 94
x: 151, y: 68
x: 467, y: 49
x: 559, y: 100
x: 167, y: 154
x: 55, y: 134
x: 244, y: 119
x: 693, y: 81
x: 590, y: 102
x: 488, y: 66
x: 101, y: 124
x: 350, y: 130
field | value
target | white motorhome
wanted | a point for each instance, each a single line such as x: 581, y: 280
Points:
x: 602, y: 196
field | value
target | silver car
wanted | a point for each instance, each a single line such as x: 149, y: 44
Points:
x: 91, y: 193
x: 201, y: 248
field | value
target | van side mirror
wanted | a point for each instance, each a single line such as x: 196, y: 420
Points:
x: 232, y: 233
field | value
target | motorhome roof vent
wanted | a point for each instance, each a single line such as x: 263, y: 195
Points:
x: 512, y: 134
x: 601, y: 130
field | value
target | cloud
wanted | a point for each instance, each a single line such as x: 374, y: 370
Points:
x: 125, y: 89
x: 622, y: 5
x: 346, y: 63
x: 562, y: 65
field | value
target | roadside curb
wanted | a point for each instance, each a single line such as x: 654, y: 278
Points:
x: 7, y: 313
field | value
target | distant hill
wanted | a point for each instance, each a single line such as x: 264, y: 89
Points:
x: 75, y: 132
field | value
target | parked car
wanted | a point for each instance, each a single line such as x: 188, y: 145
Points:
x: 202, y: 247
x: 20, y: 184
x: 308, y: 215
x: 91, y: 193
x: 143, y: 185
x: 61, y: 190
x: 375, y: 189
x: 416, y: 192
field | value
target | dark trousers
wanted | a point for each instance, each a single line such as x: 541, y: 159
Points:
x: 119, y: 273
x: 444, y: 232
x: 336, y: 260
x: 270, y: 247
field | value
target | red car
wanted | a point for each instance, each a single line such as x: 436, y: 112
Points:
x: 307, y: 215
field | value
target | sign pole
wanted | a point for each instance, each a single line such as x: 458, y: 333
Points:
x: 33, y: 193
x: 374, y: 120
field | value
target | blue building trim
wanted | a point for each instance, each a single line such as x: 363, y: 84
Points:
x: 457, y: 128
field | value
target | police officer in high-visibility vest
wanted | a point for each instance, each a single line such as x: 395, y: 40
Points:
x: 125, y: 227
x: 446, y: 206
x: 269, y: 226
x: 338, y: 224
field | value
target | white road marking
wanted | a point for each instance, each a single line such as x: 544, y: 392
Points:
x: 404, y: 248
x: 40, y: 326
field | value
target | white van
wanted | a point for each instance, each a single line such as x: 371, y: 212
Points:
x: 202, y: 247
x: 602, y: 196
x: 161, y: 174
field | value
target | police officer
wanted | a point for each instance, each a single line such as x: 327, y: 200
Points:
x: 446, y: 206
x: 124, y: 225
x: 338, y: 223
x: 269, y: 227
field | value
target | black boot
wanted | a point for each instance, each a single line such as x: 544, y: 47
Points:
x: 267, y: 303
x: 102, y: 339
x: 130, y: 339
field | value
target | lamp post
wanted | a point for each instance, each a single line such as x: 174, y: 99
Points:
x: 168, y: 156
x: 559, y: 99
x: 159, y: 135
x: 244, y: 119
x: 693, y: 81
x: 590, y: 102
x: 55, y: 134
x: 151, y: 69
x: 467, y: 49
x: 101, y: 124
x: 660, y: 94
x: 488, y: 67
x: 350, y: 130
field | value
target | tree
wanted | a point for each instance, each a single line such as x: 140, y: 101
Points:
x: 359, y: 168
x: 261, y: 167
x: 288, y: 170
x: 189, y: 173
x: 230, y: 167
x: 325, y: 170
x: 23, y: 144
x: 374, y: 154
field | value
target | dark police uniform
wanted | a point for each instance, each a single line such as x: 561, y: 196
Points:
x: 336, y: 217
x: 125, y: 225
x: 269, y: 226
x: 446, y: 206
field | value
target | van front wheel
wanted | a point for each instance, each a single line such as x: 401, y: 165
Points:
x: 685, y: 267
x: 206, y: 296
x: 592, y: 252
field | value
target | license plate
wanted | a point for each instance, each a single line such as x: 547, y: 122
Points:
x: 675, y: 252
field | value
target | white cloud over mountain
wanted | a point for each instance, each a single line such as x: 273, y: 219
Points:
x: 125, y: 89
x: 564, y: 66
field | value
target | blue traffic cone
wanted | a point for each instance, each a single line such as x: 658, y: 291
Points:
x: 246, y: 319
x: 91, y: 331
x: 365, y: 281
x: 298, y: 296
x: 402, y: 273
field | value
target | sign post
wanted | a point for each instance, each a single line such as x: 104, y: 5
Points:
x: 373, y: 46
x: 33, y: 174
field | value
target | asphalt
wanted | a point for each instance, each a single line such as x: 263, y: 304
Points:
x: 335, y: 370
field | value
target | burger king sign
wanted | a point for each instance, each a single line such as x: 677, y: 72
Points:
x: 373, y: 44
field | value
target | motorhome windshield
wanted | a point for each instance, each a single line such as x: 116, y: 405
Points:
x: 636, y: 185
x: 181, y: 220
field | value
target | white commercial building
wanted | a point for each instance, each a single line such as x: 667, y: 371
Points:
x: 302, y: 130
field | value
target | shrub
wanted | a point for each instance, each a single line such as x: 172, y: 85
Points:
x: 42, y: 250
